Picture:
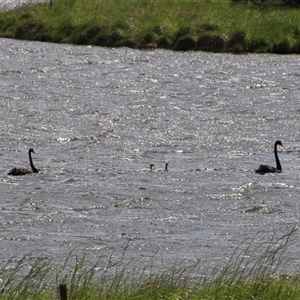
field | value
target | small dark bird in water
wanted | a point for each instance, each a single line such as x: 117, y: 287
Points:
x: 263, y: 169
x: 163, y: 169
x: 148, y: 169
x: 23, y: 171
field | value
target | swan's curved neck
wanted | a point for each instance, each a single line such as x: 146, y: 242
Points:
x: 278, y: 165
x: 34, y: 169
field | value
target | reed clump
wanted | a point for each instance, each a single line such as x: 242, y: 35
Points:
x: 219, y: 26
x: 254, y: 271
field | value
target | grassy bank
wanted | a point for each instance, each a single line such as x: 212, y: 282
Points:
x: 208, y: 25
x: 255, y: 271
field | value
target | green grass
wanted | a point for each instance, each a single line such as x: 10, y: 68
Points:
x: 180, y: 25
x: 254, y: 271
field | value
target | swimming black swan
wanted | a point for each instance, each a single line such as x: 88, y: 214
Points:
x: 164, y: 169
x: 23, y: 171
x: 263, y: 169
x: 148, y: 169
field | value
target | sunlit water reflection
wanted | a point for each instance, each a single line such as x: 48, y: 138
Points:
x: 96, y: 116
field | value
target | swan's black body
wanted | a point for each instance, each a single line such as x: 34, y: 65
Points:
x: 263, y: 169
x: 23, y: 171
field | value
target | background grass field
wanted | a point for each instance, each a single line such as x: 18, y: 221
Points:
x: 219, y: 26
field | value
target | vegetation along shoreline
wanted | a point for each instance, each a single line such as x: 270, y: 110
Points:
x: 228, y: 26
x: 254, y: 271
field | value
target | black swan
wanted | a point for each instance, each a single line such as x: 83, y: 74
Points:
x: 263, y: 169
x: 23, y: 171
x: 148, y: 169
x: 163, y: 169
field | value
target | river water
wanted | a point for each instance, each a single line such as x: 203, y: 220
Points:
x: 96, y: 116
x: 12, y: 4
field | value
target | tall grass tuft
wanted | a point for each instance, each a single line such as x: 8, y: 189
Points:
x: 254, y: 271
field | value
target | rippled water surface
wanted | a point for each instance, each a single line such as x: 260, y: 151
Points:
x: 11, y: 4
x: 96, y: 116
